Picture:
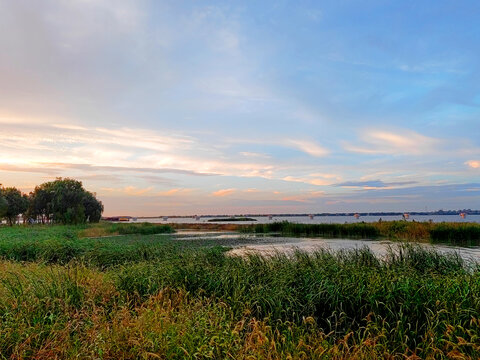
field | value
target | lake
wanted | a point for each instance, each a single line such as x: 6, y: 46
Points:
x: 318, y: 219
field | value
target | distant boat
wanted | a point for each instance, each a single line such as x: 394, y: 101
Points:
x: 311, y: 216
x: 134, y: 219
x: 197, y: 217
x: 406, y: 216
x: 356, y: 215
x: 123, y: 219
x: 165, y: 218
x: 463, y: 215
x: 270, y: 217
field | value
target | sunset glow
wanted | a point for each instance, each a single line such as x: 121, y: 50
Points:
x: 232, y: 108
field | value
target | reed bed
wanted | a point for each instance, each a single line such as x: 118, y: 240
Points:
x: 454, y: 233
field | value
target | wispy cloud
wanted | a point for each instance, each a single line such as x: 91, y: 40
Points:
x: 128, y: 190
x: 308, y: 147
x: 317, y: 179
x: 400, y: 142
x: 223, y: 192
x: 374, y: 184
x: 307, y: 197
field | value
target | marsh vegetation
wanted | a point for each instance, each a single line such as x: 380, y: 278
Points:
x: 64, y: 294
x: 454, y: 233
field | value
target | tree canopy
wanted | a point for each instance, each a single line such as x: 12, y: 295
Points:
x: 3, y: 205
x: 62, y: 201
x: 65, y: 201
x: 16, y: 204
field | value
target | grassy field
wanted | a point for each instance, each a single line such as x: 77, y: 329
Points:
x: 66, y: 295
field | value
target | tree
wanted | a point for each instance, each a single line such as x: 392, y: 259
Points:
x: 93, y: 207
x: 67, y: 202
x: 3, y: 206
x: 64, y: 201
x: 16, y: 204
x: 40, y: 203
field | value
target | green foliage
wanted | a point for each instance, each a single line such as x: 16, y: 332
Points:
x: 3, y: 205
x: 65, y: 201
x: 16, y: 203
x: 93, y: 208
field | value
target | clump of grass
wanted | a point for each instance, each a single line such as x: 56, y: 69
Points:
x: 467, y: 234
x: 108, y: 229
x: 360, y: 230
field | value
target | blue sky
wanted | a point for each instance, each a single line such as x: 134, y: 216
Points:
x: 244, y: 107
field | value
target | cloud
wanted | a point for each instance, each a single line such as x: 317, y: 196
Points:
x: 308, y: 147
x: 474, y: 164
x: 374, y: 184
x: 136, y: 170
x: 400, y: 142
x: 307, y: 197
x: 223, y: 192
x: 254, y: 154
x: 128, y: 190
x: 175, y: 192
x: 317, y: 179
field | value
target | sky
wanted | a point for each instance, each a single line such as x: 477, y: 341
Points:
x: 234, y: 107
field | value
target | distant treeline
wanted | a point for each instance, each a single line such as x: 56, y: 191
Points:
x: 457, y: 233
x: 62, y: 201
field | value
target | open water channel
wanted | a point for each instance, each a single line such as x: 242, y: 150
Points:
x: 243, y: 244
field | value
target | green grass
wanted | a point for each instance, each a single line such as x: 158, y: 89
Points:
x: 465, y: 234
x: 62, y: 244
x: 149, y: 296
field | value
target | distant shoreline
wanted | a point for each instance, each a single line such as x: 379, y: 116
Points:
x: 411, y: 213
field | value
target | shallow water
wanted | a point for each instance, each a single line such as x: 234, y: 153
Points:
x: 243, y: 244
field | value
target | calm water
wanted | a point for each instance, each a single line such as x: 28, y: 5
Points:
x: 323, y: 219
x: 243, y: 244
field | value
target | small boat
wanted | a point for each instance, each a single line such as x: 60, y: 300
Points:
x: 406, y: 216
x: 197, y: 217
x: 311, y: 216
x: 123, y: 219
x: 134, y: 219
x: 356, y: 215
x: 270, y: 217
x: 165, y: 218
x: 463, y: 215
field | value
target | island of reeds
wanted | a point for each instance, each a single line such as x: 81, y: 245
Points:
x: 130, y: 291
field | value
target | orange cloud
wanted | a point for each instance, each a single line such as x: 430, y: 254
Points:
x: 172, y: 192
x: 475, y: 164
x: 223, y: 192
